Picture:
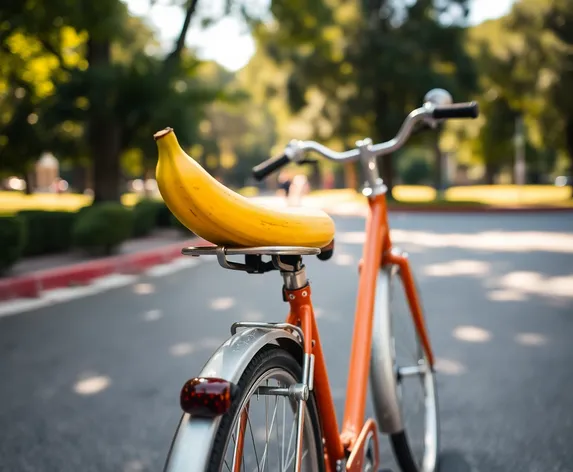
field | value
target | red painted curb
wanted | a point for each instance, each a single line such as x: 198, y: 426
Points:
x: 31, y: 285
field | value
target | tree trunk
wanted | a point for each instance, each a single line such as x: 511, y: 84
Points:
x: 29, y: 180
x: 104, y: 134
x: 439, y: 171
x: 315, y: 178
x: 387, y: 174
x: 490, y: 173
x: 384, y: 163
x: 569, y: 145
x: 350, y: 177
x: 105, y: 139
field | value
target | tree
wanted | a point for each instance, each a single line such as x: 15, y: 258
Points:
x: 114, y: 100
x: 357, y: 70
x: 529, y: 62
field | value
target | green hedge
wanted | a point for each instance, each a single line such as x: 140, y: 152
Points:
x: 145, y: 217
x: 103, y: 227
x: 12, y: 240
x: 164, y: 216
x: 47, y: 231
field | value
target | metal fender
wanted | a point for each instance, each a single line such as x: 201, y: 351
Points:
x: 191, y: 447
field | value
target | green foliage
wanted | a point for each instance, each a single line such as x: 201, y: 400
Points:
x: 164, y: 216
x: 12, y: 240
x: 145, y: 214
x: 48, y: 231
x: 92, y: 94
x: 525, y: 63
x: 415, y: 171
x: 103, y: 227
x: 371, y: 62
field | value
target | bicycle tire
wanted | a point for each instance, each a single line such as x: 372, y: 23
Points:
x: 270, y: 358
x: 400, y: 439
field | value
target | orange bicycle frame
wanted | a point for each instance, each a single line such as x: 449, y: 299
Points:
x: 377, y: 252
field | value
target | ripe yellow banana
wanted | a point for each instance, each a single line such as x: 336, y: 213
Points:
x: 225, y: 218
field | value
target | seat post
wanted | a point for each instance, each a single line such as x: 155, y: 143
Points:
x: 292, y: 271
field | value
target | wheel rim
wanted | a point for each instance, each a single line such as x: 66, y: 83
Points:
x: 414, y: 383
x: 272, y: 446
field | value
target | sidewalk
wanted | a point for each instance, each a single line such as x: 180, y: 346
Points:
x: 33, y: 275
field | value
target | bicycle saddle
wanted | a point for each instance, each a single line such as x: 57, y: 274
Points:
x: 225, y: 218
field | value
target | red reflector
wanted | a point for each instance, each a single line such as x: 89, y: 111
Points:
x: 206, y: 396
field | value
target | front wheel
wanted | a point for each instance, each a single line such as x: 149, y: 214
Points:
x: 404, y: 386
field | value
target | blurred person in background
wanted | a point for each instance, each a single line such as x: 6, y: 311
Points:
x: 285, y: 182
x: 299, y: 188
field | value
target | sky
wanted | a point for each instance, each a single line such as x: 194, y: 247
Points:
x: 231, y: 47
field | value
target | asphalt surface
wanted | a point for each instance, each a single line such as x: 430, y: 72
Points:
x: 93, y: 384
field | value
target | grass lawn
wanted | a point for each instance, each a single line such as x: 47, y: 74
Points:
x: 497, y: 195
x: 506, y: 195
x: 12, y: 202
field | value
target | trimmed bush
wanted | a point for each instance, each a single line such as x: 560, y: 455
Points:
x: 47, y: 231
x: 103, y: 227
x: 164, y: 216
x: 416, y: 171
x: 12, y: 240
x: 145, y: 217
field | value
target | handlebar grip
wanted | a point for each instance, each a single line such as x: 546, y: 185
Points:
x: 456, y: 110
x: 269, y: 166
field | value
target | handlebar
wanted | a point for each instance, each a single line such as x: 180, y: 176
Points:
x: 430, y: 112
x: 270, y: 165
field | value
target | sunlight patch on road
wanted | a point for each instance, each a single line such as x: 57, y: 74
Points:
x: 181, y: 349
x: 530, y: 339
x: 506, y: 296
x: 222, y: 303
x: 471, y: 334
x: 450, y: 366
x: 506, y: 241
x: 457, y: 267
x: 351, y: 237
x: 343, y: 259
x: 92, y: 385
x: 143, y: 288
x: 524, y: 283
x: 133, y: 466
x: 152, y: 315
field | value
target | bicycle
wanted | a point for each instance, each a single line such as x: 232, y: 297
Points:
x: 281, y: 364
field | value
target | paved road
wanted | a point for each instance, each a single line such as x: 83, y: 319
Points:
x: 92, y: 384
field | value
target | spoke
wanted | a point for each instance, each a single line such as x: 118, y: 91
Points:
x: 227, y: 465
x: 264, y: 459
x: 283, y: 436
x: 292, y: 458
x: 290, y: 439
x: 277, y: 431
x: 254, y: 445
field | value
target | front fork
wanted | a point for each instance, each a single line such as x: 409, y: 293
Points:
x: 400, y: 258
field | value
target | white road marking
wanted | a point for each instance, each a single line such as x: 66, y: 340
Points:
x: 174, y: 266
x: 101, y: 284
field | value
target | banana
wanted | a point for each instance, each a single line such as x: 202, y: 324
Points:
x: 225, y: 218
